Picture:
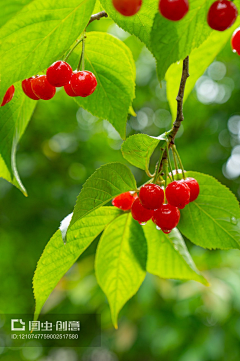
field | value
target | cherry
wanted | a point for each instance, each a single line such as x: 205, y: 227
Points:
x: 139, y: 213
x: 42, y: 88
x: 124, y: 201
x: 194, y: 188
x: 127, y: 7
x: 83, y: 83
x: 236, y: 41
x: 27, y: 88
x: 178, y: 194
x: 151, y: 196
x: 173, y: 9
x: 8, y: 95
x: 166, y: 217
x: 222, y: 14
x: 59, y: 73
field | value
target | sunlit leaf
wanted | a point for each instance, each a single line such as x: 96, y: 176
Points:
x: 58, y: 258
x: 121, y: 262
x: 168, y: 256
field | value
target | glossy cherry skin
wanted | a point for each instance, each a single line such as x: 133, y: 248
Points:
x: 127, y: 7
x: 27, y: 88
x: 139, y: 213
x: 166, y: 217
x: 173, y: 10
x: 59, y: 73
x: 42, y: 88
x: 83, y: 83
x: 222, y: 14
x: 8, y: 95
x: 68, y: 89
x: 151, y: 196
x: 194, y: 188
x: 178, y: 194
x: 235, y: 41
x: 124, y: 201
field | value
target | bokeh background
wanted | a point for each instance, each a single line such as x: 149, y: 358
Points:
x: 61, y: 148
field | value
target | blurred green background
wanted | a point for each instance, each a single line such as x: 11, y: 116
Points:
x: 62, y: 146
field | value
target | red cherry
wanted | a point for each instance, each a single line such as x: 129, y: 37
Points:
x: 173, y: 9
x: 127, y: 7
x: 221, y: 15
x: 59, y: 73
x: 178, y: 194
x: 8, y: 95
x: 236, y: 41
x: 42, y: 88
x: 124, y: 201
x: 83, y: 83
x: 194, y: 188
x: 151, y: 196
x: 139, y: 213
x: 166, y: 217
x: 27, y: 88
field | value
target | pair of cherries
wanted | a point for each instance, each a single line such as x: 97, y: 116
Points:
x: 221, y: 15
x: 77, y: 83
x: 150, y: 203
x: 172, y: 10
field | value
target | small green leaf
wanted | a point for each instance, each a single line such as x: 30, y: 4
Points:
x: 14, y: 118
x: 58, y: 258
x: 106, y: 183
x: 121, y: 262
x: 168, y: 256
x: 112, y: 63
x: 172, y: 41
x: 38, y: 35
x: 199, y: 60
x: 138, y: 149
x: 140, y: 24
x: 213, y: 220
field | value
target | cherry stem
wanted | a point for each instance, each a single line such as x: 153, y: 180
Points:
x: 158, y: 168
x: 83, y: 54
x: 71, y: 50
x: 169, y: 162
x: 165, y: 169
x: 179, y: 161
x: 175, y: 163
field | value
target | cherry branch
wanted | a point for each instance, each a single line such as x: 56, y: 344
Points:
x: 98, y: 16
x: 180, y: 117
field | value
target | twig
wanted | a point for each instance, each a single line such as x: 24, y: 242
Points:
x: 98, y: 16
x: 180, y: 117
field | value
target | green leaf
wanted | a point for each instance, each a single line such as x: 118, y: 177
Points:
x: 140, y: 24
x: 7, y: 11
x: 121, y: 262
x: 106, y: 183
x: 213, y: 220
x: 168, y: 256
x: 58, y: 258
x: 199, y: 60
x: 14, y: 118
x: 138, y: 149
x: 173, y: 41
x: 112, y: 63
x: 38, y: 35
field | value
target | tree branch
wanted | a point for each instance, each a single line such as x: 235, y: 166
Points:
x: 98, y: 16
x: 180, y: 117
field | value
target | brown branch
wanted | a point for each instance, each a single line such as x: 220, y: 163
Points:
x: 98, y: 16
x: 180, y: 117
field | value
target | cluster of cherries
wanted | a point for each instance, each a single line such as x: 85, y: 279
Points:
x: 150, y: 202
x: 59, y: 74
x: 221, y: 15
